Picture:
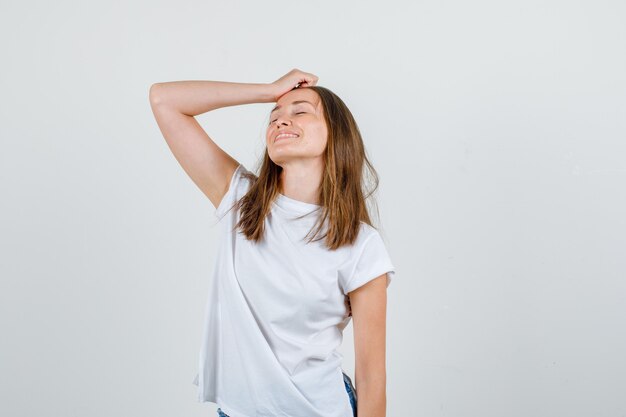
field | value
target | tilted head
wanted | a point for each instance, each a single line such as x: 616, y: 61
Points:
x: 326, y: 132
x: 297, y: 127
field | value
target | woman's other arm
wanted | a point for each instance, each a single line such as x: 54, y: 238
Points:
x: 369, y: 317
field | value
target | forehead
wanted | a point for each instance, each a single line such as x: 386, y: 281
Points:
x: 300, y: 94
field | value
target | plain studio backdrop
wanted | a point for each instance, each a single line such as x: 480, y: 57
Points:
x: 498, y: 130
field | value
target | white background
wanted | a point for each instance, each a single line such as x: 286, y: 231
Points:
x: 498, y: 130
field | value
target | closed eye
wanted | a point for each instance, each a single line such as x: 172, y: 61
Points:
x: 300, y: 112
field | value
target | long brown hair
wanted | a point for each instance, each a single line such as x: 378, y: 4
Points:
x: 344, y: 188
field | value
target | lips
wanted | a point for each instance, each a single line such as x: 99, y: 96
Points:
x: 285, y: 135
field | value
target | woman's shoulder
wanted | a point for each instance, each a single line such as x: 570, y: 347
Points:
x: 369, y: 236
x: 240, y: 183
x: 244, y: 174
x: 366, y: 232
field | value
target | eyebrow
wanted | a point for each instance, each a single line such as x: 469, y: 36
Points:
x: 293, y: 103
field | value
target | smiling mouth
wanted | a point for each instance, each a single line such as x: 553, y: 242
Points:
x: 285, y: 136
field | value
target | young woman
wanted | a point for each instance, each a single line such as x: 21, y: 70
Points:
x: 298, y: 257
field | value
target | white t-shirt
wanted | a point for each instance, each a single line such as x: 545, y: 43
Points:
x: 276, y: 313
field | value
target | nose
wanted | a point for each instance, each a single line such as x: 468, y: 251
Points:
x: 281, y: 121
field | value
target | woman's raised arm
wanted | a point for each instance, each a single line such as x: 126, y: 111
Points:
x: 175, y: 104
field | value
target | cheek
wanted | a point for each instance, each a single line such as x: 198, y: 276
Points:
x: 319, y: 131
x: 322, y: 136
x: 316, y: 143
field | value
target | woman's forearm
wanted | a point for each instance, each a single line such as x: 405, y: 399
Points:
x: 196, y: 97
x: 371, y: 400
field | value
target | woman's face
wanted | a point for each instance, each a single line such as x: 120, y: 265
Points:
x: 297, y: 112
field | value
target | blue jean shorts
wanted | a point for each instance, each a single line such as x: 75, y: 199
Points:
x: 349, y: 388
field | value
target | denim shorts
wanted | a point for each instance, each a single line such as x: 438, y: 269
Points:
x: 349, y: 388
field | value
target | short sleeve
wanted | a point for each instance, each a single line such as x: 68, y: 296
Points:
x: 372, y: 261
x: 236, y: 189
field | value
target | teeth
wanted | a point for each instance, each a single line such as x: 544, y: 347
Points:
x: 286, y: 135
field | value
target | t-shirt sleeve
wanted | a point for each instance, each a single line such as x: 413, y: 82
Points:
x: 372, y: 261
x: 236, y: 189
